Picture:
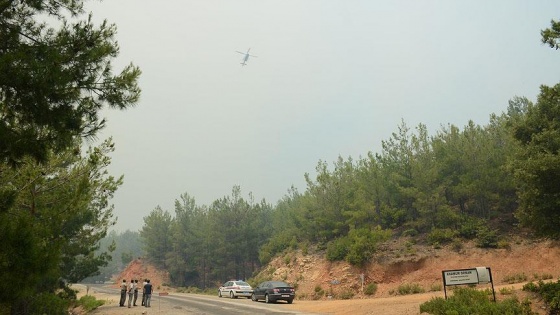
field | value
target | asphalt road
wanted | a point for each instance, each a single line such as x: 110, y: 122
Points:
x: 206, y: 305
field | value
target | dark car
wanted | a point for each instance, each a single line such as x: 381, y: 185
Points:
x: 272, y: 291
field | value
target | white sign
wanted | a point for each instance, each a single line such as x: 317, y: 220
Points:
x: 483, y: 275
x: 467, y: 276
x: 462, y: 276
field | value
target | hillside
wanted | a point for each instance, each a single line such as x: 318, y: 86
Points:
x: 396, y: 263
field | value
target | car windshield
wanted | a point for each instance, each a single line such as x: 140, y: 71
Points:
x: 278, y: 284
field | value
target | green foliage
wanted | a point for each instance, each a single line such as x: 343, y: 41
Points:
x: 318, y: 292
x: 156, y: 234
x: 287, y: 260
x: 42, y: 303
x: 57, y: 236
x: 391, y: 217
x: 276, y: 244
x: 537, y: 164
x: 346, y: 295
x: 550, y: 293
x: 551, y: 35
x: 469, y: 227
x: 467, y: 301
x: 358, y: 246
x: 457, y: 245
x: 544, y: 276
x: 370, y: 289
x: 503, y: 244
x: 202, y: 246
x: 338, y: 249
x: 507, y: 291
x: 436, y: 287
x: 487, y: 238
x: 441, y: 236
x: 410, y: 288
x: 364, y: 243
x: 89, y: 303
x: 56, y: 77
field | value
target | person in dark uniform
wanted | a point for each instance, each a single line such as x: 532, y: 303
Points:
x: 144, y: 293
x: 148, y: 292
x: 123, y: 293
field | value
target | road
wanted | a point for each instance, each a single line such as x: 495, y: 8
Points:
x: 183, y: 303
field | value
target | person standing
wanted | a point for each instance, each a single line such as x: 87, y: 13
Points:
x: 144, y: 293
x: 123, y: 293
x: 148, y: 292
x: 135, y: 292
x: 130, y: 292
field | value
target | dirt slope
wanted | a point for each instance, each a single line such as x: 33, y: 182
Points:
x: 396, y: 264
x: 400, y: 264
x: 139, y: 269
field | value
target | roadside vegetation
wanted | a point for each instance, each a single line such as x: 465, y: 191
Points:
x: 89, y: 303
x: 467, y: 301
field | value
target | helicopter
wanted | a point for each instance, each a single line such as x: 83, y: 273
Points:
x: 245, y: 57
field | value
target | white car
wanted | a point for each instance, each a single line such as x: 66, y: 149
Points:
x: 235, y: 289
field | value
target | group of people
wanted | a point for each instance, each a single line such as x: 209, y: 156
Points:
x: 132, y: 290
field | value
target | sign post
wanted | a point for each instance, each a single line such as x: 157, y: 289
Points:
x: 476, y: 275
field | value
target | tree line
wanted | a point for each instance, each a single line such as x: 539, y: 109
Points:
x: 476, y: 182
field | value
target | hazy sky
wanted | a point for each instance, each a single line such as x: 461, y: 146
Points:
x: 331, y: 78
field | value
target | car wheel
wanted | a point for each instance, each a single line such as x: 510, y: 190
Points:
x: 266, y: 299
x: 254, y: 297
x: 290, y: 301
x: 219, y: 293
x: 231, y: 296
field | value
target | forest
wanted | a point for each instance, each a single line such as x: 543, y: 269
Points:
x: 475, y: 182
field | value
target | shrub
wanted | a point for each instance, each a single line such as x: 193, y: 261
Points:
x: 550, y: 293
x: 440, y: 236
x: 287, y: 259
x: 346, y: 295
x: 466, y: 301
x: 370, y: 289
x: 435, y: 287
x: 486, y: 238
x: 47, y: 303
x: 544, y: 276
x: 504, y: 244
x: 304, y: 246
x: 358, y: 246
x: 507, y: 291
x: 405, y: 289
x: 89, y: 303
x: 469, y: 227
x: 337, y: 249
x: 457, y: 245
x: 516, y: 278
x: 363, y: 243
x: 530, y: 287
